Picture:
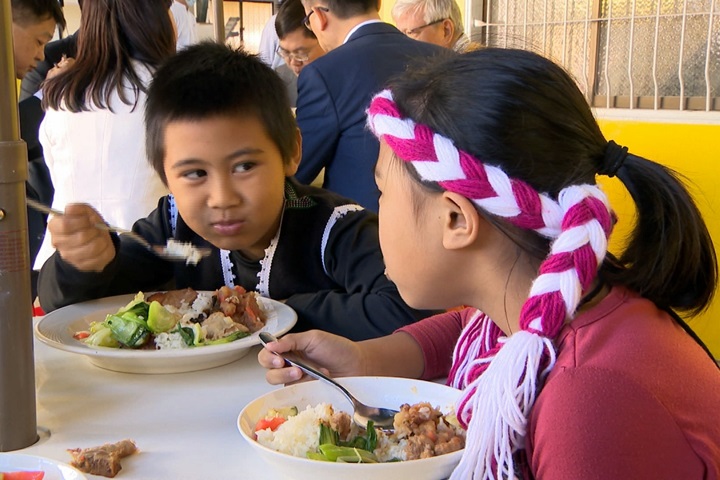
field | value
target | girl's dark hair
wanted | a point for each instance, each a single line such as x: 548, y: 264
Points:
x: 113, y: 35
x: 208, y: 80
x: 521, y: 112
x: 289, y: 19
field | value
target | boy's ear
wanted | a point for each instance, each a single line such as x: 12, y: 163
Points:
x: 291, y: 166
x: 322, y: 17
x: 461, y: 221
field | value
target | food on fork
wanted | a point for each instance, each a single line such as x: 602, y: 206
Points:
x: 179, y: 319
x: 188, y: 251
x: 103, y: 460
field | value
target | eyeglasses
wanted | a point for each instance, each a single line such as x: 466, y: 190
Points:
x: 301, y: 57
x: 416, y: 31
x: 306, y: 18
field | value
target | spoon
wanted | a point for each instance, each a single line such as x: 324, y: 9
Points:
x: 381, y: 417
x: 173, y: 251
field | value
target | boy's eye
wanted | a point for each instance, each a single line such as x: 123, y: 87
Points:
x: 243, y: 166
x: 194, y: 174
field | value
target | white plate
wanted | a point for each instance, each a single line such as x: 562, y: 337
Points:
x: 58, y: 327
x: 54, y: 470
x: 386, y: 392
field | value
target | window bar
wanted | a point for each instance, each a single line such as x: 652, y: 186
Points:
x: 594, y: 39
x: 606, y: 67
x: 656, y: 89
x: 507, y: 22
x: 544, y: 31
x: 630, y: 55
x: 708, y: 101
x: 488, y: 22
x: 525, y: 25
x: 565, y: 34
x: 681, y: 56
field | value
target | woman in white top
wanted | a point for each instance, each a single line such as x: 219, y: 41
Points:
x: 93, y: 135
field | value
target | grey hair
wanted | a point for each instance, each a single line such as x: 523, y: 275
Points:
x: 434, y: 10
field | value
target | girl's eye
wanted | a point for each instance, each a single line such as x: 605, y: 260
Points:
x: 194, y: 174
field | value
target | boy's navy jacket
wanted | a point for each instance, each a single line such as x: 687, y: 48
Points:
x: 325, y: 263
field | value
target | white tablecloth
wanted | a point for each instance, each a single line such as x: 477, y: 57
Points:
x: 184, y: 424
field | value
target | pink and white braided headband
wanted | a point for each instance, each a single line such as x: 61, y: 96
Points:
x: 501, y: 382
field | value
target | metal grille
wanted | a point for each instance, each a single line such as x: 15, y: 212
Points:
x: 635, y: 54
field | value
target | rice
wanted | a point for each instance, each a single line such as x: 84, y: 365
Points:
x: 169, y: 341
x: 300, y: 434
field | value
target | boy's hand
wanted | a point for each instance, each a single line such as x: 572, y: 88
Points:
x: 78, y: 241
x: 334, y: 355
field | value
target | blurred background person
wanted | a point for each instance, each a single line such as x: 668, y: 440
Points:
x: 298, y: 46
x: 33, y: 26
x: 93, y: 136
x: 185, y: 23
x: 433, y: 21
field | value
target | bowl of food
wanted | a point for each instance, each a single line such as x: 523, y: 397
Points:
x: 164, y: 332
x: 303, y: 431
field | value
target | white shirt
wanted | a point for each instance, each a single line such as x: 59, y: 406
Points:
x: 357, y: 27
x: 98, y: 157
x: 185, y: 24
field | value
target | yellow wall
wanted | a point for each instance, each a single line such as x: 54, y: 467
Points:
x: 693, y: 151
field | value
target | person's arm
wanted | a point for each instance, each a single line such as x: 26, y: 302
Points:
x: 319, y: 124
x: 365, y: 303
x: 396, y: 355
x: 91, y: 264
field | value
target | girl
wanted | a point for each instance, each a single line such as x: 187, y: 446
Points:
x: 572, y: 364
x: 93, y: 134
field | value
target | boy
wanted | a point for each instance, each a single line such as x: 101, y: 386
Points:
x: 222, y: 137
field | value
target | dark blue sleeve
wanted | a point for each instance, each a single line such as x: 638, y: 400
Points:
x: 319, y: 124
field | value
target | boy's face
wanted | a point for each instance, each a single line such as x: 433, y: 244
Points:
x: 29, y: 44
x: 228, y: 177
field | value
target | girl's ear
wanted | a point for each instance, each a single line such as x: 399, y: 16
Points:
x: 291, y: 166
x: 461, y: 221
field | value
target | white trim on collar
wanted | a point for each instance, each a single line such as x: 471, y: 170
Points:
x: 357, y: 27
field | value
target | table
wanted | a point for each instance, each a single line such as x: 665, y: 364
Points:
x: 184, y: 424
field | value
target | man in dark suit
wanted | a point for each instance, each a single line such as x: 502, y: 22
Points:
x: 335, y: 90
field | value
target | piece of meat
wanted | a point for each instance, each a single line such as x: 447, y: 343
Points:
x: 176, y: 298
x: 103, y: 460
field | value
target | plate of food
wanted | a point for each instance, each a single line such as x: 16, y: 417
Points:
x: 16, y: 466
x: 165, y: 332
x: 304, y: 431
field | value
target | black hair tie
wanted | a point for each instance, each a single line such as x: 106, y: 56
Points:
x: 613, y: 159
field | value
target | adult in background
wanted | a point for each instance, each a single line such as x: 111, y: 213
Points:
x: 433, y: 21
x: 33, y: 26
x: 185, y: 23
x: 298, y: 46
x: 93, y: 136
x: 335, y: 90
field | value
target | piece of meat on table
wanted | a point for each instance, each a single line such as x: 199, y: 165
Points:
x: 103, y: 460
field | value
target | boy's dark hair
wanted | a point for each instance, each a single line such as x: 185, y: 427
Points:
x: 209, y: 80
x: 348, y: 8
x: 523, y: 113
x: 289, y: 18
x: 27, y: 12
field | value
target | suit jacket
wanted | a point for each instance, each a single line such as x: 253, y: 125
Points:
x: 333, y: 93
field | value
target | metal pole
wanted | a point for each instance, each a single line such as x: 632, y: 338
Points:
x: 219, y: 21
x: 18, y: 421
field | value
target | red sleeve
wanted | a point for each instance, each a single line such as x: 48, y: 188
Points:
x: 437, y: 336
x: 590, y: 423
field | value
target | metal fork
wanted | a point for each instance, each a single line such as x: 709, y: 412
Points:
x: 159, y: 250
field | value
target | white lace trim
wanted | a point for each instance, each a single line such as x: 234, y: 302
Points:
x: 263, y: 286
x: 227, y: 268
x: 337, y: 214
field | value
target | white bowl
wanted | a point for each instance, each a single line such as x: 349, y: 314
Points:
x: 386, y: 392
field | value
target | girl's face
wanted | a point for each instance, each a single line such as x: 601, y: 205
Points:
x: 410, y: 236
x: 228, y: 179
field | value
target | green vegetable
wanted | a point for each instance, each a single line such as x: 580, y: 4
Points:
x: 328, y: 436
x: 101, y: 336
x: 128, y: 329
x: 159, y: 318
x: 313, y: 456
x: 285, y: 412
x: 230, y: 338
x: 335, y: 453
x: 187, y: 334
x: 137, y: 306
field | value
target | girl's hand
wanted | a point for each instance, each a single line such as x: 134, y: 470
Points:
x: 333, y: 355
x: 78, y: 241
